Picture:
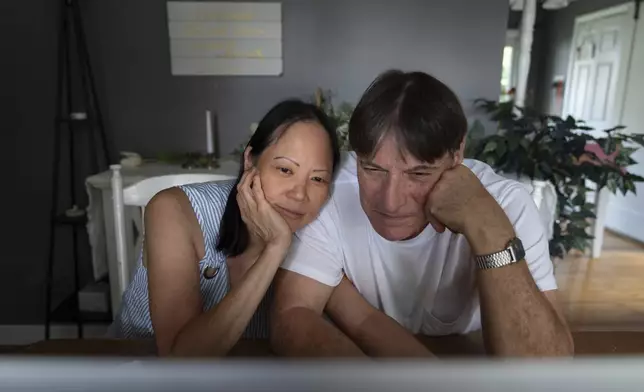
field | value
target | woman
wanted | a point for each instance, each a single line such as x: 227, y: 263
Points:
x: 211, y: 250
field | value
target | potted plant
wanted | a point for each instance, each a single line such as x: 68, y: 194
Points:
x: 340, y: 116
x: 561, y: 152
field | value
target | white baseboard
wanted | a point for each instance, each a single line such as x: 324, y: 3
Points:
x: 27, y: 334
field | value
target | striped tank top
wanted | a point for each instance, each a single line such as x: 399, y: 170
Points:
x: 208, y: 201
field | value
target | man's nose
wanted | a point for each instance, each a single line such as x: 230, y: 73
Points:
x: 393, y: 197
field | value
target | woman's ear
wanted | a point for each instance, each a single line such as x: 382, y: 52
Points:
x: 248, y: 160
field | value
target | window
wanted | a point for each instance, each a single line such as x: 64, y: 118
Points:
x: 509, y: 65
x: 506, y: 73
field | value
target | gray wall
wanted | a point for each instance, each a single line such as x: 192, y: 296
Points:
x: 335, y: 44
x: 553, y: 58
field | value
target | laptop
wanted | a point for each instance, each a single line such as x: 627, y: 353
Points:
x: 94, y: 375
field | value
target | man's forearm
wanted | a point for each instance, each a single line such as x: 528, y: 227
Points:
x: 518, y: 319
x: 301, y: 332
x: 377, y: 334
x: 381, y: 336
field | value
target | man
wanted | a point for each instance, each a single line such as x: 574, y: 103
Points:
x: 440, y: 244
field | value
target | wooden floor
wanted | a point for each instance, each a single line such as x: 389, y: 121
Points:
x: 605, y: 293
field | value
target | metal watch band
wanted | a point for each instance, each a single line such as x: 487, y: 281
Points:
x: 496, y: 260
x: 511, y: 254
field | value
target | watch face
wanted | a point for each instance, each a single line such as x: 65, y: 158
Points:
x: 517, y: 247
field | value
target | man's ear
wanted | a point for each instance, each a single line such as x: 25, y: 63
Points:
x: 459, y: 154
x: 248, y: 160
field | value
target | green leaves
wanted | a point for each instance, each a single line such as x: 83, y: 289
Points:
x: 639, y: 139
x: 501, y: 149
x: 554, y: 149
x: 615, y: 128
x: 490, y: 146
x: 579, y: 200
x: 339, y: 116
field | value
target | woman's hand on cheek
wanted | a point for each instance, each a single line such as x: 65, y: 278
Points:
x: 263, y: 222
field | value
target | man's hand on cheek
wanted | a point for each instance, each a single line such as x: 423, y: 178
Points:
x: 459, y: 202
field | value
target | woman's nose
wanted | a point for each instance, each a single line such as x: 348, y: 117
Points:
x: 297, y: 191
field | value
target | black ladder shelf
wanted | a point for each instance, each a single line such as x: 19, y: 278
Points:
x: 79, y: 121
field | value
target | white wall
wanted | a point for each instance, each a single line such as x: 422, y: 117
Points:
x: 626, y: 213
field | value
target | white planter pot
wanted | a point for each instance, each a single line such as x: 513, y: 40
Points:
x: 545, y: 198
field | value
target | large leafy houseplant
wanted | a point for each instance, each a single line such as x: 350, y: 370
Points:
x: 563, y: 151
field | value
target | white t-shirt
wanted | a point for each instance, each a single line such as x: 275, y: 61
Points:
x: 427, y: 283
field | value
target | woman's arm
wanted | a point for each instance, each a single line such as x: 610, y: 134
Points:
x: 174, y: 245
x: 377, y: 334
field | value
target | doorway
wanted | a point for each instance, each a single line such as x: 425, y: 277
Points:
x: 598, y: 71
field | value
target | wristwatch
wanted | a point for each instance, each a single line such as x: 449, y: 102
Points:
x: 512, y: 253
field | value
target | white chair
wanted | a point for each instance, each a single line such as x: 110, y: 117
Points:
x: 138, y: 195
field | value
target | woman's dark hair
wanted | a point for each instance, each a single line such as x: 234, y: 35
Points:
x: 423, y: 114
x: 233, y: 234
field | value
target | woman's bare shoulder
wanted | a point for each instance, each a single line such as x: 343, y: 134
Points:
x: 170, y: 215
x: 171, y: 203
